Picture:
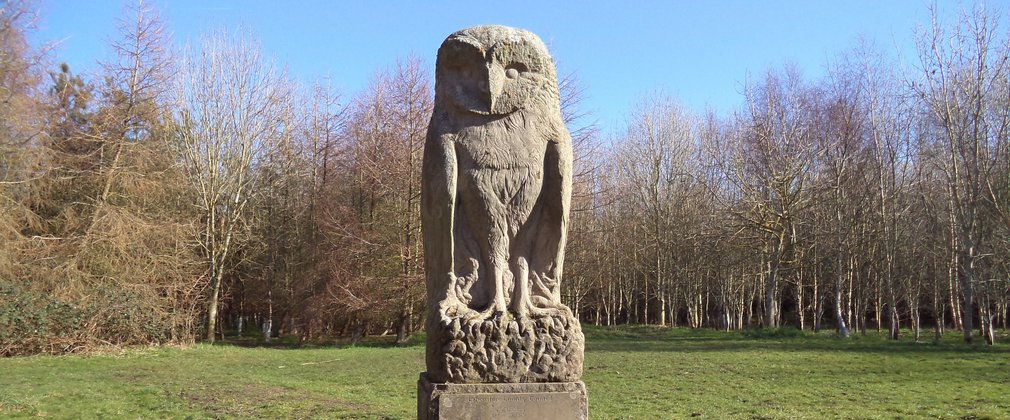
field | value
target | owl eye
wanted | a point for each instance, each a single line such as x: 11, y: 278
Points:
x: 513, y: 70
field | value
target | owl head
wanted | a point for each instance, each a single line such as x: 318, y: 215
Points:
x: 494, y: 70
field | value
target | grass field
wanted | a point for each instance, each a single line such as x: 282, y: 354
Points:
x: 630, y: 372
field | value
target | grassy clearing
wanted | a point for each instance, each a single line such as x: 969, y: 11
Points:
x: 645, y: 373
x: 631, y: 372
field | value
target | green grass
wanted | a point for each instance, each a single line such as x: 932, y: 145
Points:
x: 631, y: 372
x: 647, y: 373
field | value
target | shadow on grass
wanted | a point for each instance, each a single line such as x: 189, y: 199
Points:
x: 658, y: 339
x: 296, y: 343
x: 639, y: 338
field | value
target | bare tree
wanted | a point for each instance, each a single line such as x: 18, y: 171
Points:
x: 770, y: 167
x: 964, y: 68
x: 656, y: 155
x: 232, y: 106
x: 376, y: 208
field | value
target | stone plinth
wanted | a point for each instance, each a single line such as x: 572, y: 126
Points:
x: 519, y: 401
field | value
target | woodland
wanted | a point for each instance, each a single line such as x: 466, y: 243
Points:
x: 182, y: 195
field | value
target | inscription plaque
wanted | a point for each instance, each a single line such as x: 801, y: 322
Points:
x: 562, y: 401
x: 542, y: 405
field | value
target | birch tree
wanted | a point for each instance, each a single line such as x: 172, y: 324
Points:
x: 770, y: 166
x: 655, y: 156
x: 964, y: 68
x: 232, y: 106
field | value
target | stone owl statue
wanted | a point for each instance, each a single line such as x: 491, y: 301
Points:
x: 495, y: 198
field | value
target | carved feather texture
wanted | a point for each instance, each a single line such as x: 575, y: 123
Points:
x: 497, y: 186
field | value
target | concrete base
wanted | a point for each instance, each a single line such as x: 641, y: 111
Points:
x: 547, y: 400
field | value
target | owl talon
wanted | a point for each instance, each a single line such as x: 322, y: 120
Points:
x: 485, y: 315
x: 535, y: 312
x: 455, y: 309
x: 528, y: 310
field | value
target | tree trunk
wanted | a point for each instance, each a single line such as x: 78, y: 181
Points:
x: 268, y: 324
x: 662, y: 309
x: 985, y: 319
x: 953, y: 285
x: 799, y: 303
x: 401, y: 326
x: 967, y: 282
x: 818, y: 306
x: 893, y: 317
x: 878, y: 309
x: 843, y: 330
x: 645, y: 303
x: 215, y: 293
x: 771, y: 312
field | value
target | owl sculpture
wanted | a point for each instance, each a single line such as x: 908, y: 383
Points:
x: 497, y: 182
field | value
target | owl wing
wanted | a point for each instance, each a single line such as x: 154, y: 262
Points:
x: 438, y: 201
x: 549, y: 254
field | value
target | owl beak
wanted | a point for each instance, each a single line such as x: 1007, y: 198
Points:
x: 495, y: 84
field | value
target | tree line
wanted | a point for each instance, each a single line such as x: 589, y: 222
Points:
x: 196, y: 193
x: 876, y: 197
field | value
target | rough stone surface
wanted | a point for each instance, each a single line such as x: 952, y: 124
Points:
x: 495, y: 198
x: 510, y: 349
x: 520, y: 401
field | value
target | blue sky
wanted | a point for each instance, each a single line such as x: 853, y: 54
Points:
x: 698, y: 51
